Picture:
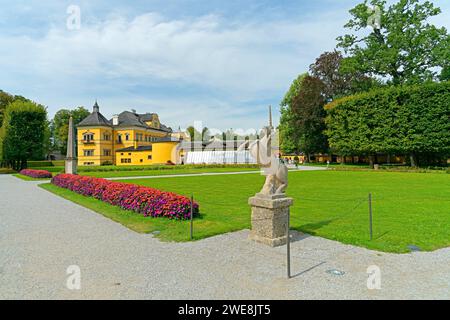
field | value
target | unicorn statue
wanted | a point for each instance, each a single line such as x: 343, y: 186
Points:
x: 273, y: 168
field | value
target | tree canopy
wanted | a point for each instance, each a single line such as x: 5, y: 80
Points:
x: 403, y: 47
x: 289, y: 138
x: 23, y: 134
x: 5, y: 99
x: 302, y: 117
x: 60, y: 126
x: 336, y: 81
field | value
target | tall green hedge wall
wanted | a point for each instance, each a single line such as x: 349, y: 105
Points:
x: 410, y: 120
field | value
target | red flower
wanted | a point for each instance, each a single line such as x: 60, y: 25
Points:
x: 36, y: 173
x: 144, y: 200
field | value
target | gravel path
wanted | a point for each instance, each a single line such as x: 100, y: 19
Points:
x: 42, y: 234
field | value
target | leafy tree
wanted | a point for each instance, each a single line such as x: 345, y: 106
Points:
x: 193, y: 133
x: 60, y: 126
x: 294, y: 90
x: 327, y: 68
x: 302, y: 117
x: 309, y: 116
x: 289, y: 138
x: 23, y: 133
x: 445, y: 74
x: 402, y: 48
x: 5, y: 99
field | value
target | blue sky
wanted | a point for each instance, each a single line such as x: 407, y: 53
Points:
x: 219, y: 62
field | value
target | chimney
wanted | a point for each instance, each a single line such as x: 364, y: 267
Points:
x: 96, y: 108
x: 115, y: 120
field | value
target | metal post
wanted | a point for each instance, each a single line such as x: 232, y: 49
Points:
x: 370, y: 215
x: 192, y: 217
x: 288, y: 248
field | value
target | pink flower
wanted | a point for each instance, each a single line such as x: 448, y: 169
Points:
x: 36, y: 173
x: 143, y: 200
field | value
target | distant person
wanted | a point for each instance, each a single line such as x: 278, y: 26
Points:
x: 296, y: 162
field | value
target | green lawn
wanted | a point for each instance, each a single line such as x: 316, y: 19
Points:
x: 27, y: 178
x: 156, y: 170
x: 178, y: 170
x: 382, y: 167
x: 408, y: 208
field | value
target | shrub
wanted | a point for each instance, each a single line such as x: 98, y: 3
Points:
x: 7, y: 171
x: 18, y: 142
x: 144, y: 200
x: 36, y: 173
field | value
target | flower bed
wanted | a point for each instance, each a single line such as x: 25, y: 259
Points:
x: 36, y: 173
x: 143, y: 200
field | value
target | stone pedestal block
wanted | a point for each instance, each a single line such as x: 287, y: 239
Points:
x: 269, y: 218
x: 70, y: 166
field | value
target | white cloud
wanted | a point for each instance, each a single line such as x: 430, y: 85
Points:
x: 247, y: 58
x: 236, y: 63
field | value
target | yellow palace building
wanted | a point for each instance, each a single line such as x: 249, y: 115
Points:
x: 128, y: 138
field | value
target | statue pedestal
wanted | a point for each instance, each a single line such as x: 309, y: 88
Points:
x: 269, y: 218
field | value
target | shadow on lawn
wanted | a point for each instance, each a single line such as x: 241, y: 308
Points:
x: 312, y: 227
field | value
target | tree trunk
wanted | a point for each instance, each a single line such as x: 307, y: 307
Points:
x: 413, y: 160
x: 371, y: 161
x: 342, y: 159
x: 23, y: 164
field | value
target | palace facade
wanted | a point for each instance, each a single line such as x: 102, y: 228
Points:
x: 128, y: 138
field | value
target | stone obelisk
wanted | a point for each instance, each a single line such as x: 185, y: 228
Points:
x: 71, y: 159
x: 270, y: 118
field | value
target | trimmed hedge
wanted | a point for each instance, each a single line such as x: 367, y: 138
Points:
x: 146, y: 201
x: 38, y: 174
x: 399, y: 120
x: 7, y: 171
x: 45, y: 163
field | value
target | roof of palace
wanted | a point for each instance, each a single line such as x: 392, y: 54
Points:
x: 126, y: 119
x: 95, y: 118
x: 140, y: 148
